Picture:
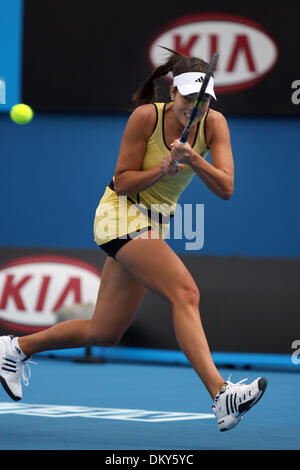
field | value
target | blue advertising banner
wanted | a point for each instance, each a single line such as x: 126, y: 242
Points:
x: 11, y: 30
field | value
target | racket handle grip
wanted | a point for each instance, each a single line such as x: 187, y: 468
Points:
x: 182, y: 141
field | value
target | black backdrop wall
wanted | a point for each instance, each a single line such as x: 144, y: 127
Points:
x: 91, y: 56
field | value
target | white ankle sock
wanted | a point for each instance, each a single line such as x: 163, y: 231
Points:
x: 16, y: 348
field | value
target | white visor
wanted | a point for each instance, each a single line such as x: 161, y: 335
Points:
x: 190, y: 82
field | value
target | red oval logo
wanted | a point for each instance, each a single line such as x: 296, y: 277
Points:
x: 247, y: 51
x: 34, y: 288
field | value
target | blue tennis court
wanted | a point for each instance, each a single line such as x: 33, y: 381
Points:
x: 139, y: 406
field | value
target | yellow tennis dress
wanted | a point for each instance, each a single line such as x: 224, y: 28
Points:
x: 116, y: 216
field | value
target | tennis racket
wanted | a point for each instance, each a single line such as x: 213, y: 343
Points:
x: 197, y: 103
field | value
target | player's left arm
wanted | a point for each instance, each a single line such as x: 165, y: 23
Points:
x: 218, y: 175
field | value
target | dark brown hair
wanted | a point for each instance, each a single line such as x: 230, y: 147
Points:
x: 176, y: 63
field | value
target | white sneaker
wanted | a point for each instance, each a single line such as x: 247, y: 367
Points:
x: 12, y: 368
x: 234, y: 400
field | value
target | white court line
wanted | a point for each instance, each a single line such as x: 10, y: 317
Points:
x: 59, y: 411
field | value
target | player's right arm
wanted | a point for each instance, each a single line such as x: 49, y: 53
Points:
x: 129, y: 176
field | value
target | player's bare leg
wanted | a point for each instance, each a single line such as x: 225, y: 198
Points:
x: 155, y: 265
x: 119, y: 298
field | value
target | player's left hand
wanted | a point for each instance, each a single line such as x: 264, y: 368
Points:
x: 168, y: 168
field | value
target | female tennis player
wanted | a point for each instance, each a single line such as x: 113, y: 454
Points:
x: 133, y: 236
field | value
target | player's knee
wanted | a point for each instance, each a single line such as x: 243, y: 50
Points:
x: 102, y: 338
x: 109, y: 341
x: 187, y: 294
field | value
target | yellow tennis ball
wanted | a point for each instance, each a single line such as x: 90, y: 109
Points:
x: 21, y: 113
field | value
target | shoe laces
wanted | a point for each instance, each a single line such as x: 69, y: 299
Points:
x: 231, y: 384
x: 24, y: 372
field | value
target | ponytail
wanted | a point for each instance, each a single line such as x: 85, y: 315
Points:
x: 147, y: 92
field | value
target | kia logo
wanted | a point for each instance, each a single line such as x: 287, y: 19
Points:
x: 247, y: 52
x: 32, y: 289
